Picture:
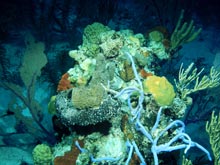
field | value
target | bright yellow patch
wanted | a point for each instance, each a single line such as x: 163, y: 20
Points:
x: 161, y: 89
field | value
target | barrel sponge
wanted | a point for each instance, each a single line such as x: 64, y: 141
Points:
x: 87, y: 96
x: 69, y: 115
x: 160, y: 88
x: 42, y: 155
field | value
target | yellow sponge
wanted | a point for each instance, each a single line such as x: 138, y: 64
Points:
x: 161, y: 89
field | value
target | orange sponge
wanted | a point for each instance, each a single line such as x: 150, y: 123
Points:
x: 64, y: 83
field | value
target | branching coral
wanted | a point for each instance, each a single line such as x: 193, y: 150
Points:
x: 213, y: 129
x: 183, y: 33
x: 190, y: 77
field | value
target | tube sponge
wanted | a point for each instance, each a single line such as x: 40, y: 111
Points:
x: 161, y: 89
x: 42, y: 155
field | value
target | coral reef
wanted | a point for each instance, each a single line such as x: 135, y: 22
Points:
x: 156, y: 45
x: 121, y: 99
x: 95, y: 141
x: 114, y: 80
x: 69, y: 157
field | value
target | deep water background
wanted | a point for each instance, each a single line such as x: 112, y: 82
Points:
x: 59, y: 25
